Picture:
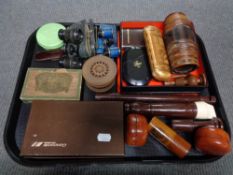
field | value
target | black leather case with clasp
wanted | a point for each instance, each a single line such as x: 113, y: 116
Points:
x: 136, y: 70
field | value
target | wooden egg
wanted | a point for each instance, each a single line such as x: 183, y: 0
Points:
x: 212, y: 141
x: 137, y: 132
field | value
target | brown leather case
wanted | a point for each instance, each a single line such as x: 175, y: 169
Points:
x: 70, y: 129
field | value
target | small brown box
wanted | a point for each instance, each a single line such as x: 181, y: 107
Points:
x: 71, y: 129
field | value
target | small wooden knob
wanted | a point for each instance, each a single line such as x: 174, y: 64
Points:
x: 190, y: 80
x: 195, y: 81
x: 212, y: 141
x: 137, y: 131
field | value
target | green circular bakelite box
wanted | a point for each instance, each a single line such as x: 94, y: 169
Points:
x: 47, y: 36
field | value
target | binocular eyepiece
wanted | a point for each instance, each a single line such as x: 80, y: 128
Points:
x: 71, y: 35
x: 71, y: 63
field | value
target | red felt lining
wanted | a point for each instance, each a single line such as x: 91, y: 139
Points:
x: 140, y: 25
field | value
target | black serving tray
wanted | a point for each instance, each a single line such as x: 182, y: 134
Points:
x: 152, y: 152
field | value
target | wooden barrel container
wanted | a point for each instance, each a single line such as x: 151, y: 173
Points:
x: 181, y: 44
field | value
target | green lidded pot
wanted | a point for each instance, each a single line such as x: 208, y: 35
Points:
x: 47, y: 36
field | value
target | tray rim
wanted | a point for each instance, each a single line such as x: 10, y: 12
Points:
x: 77, y: 161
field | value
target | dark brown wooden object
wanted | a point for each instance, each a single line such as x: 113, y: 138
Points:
x: 191, y: 125
x: 137, y: 132
x: 161, y: 98
x: 68, y: 129
x: 49, y: 55
x: 173, y: 110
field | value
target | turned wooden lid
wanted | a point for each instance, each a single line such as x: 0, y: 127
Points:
x: 99, y: 71
x: 175, y: 19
